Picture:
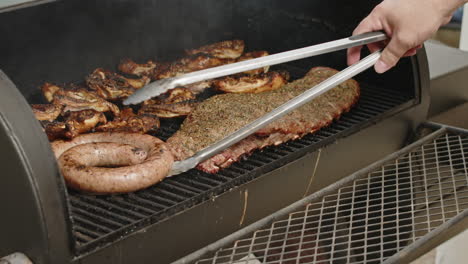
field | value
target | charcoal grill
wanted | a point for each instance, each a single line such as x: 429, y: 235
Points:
x: 389, y: 212
x: 63, y: 41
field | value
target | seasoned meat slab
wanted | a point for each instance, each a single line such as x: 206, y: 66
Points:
x: 221, y: 115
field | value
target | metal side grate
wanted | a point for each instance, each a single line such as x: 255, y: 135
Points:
x: 98, y: 220
x: 372, y: 218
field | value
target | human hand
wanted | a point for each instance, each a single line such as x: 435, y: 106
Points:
x: 407, y: 23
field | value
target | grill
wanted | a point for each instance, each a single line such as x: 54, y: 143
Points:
x: 382, y: 216
x: 70, y: 39
x: 99, y: 219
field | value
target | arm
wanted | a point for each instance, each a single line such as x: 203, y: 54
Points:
x: 408, y: 23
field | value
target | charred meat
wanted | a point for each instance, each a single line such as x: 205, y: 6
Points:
x: 253, y: 55
x: 175, y: 103
x: 48, y: 90
x: 221, y: 115
x: 78, y: 99
x: 46, y: 112
x: 130, y: 67
x: 175, y: 95
x: 169, y: 110
x: 83, y: 121
x: 229, y: 49
x: 252, y: 83
x: 55, y: 130
x: 186, y: 65
x: 129, y: 122
x: 112, y: 86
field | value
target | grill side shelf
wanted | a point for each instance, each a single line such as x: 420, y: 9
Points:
x: 391, y: 212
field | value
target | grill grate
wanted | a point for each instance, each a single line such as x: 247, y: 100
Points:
x: 371, y: 219
x: 97, y: 220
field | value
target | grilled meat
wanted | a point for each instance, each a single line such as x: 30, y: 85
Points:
x: 199, y: 87
x: 46, y: 112
x: 83, y: 121
x: 142, y: 161
x: 175, y: 103
x: 54, y: 130
x: 229, y: 49
x: 165, y: 70
x: 129, y: 122
x: 221, y: 115
x: 130, y: 67
x: 208, y: 56
x: 77, y: 99
x: 169, y: 110
x: 186, y: 65
x: 112, y: 86
x: 48, y: 90
x: 75, y: 123
x: 175, y: 95
x: 253, y: 55
x: 252, y: 84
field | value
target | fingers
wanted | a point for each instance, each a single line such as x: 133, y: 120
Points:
x: 412, y: 51
x: 354, y: 53
x: 396, y: 48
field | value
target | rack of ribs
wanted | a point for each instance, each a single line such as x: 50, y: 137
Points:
x: 221, y: 115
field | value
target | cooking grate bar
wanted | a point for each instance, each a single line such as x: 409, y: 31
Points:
x: 113, y: 210
x: 373, y: 218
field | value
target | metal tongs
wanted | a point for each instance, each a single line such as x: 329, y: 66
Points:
x: 161, y: 86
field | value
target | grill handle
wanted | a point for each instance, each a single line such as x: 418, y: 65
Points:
x: 296, y: 102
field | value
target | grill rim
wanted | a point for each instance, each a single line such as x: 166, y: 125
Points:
x: 449, y: 228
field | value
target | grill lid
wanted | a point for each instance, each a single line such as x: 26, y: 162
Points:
x: 11, y: 5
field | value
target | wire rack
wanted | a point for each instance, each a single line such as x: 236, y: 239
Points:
x: 371, y: 219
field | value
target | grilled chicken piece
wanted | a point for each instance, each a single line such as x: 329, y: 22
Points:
x: 112, y: 86
x: 253, y: 55
x: 54, y: 130
x: 48, y: 90
x: 186, y: 65
x: 252, y: 84
x: 129, y: 122
x: 130, y: 67
x: 199, y: 87
x: 229, y: 49
x: 175, y: 95
x: 77, y: 99
x: 46, y: 112
x: 175, y: 103
x: 83, y: 121
x: 171, y: 69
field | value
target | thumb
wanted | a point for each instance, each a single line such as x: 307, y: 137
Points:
x: 395, y: 49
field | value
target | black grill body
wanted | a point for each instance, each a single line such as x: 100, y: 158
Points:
x: 65, y: 40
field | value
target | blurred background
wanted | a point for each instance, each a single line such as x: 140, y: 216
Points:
x: 450, y: 33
